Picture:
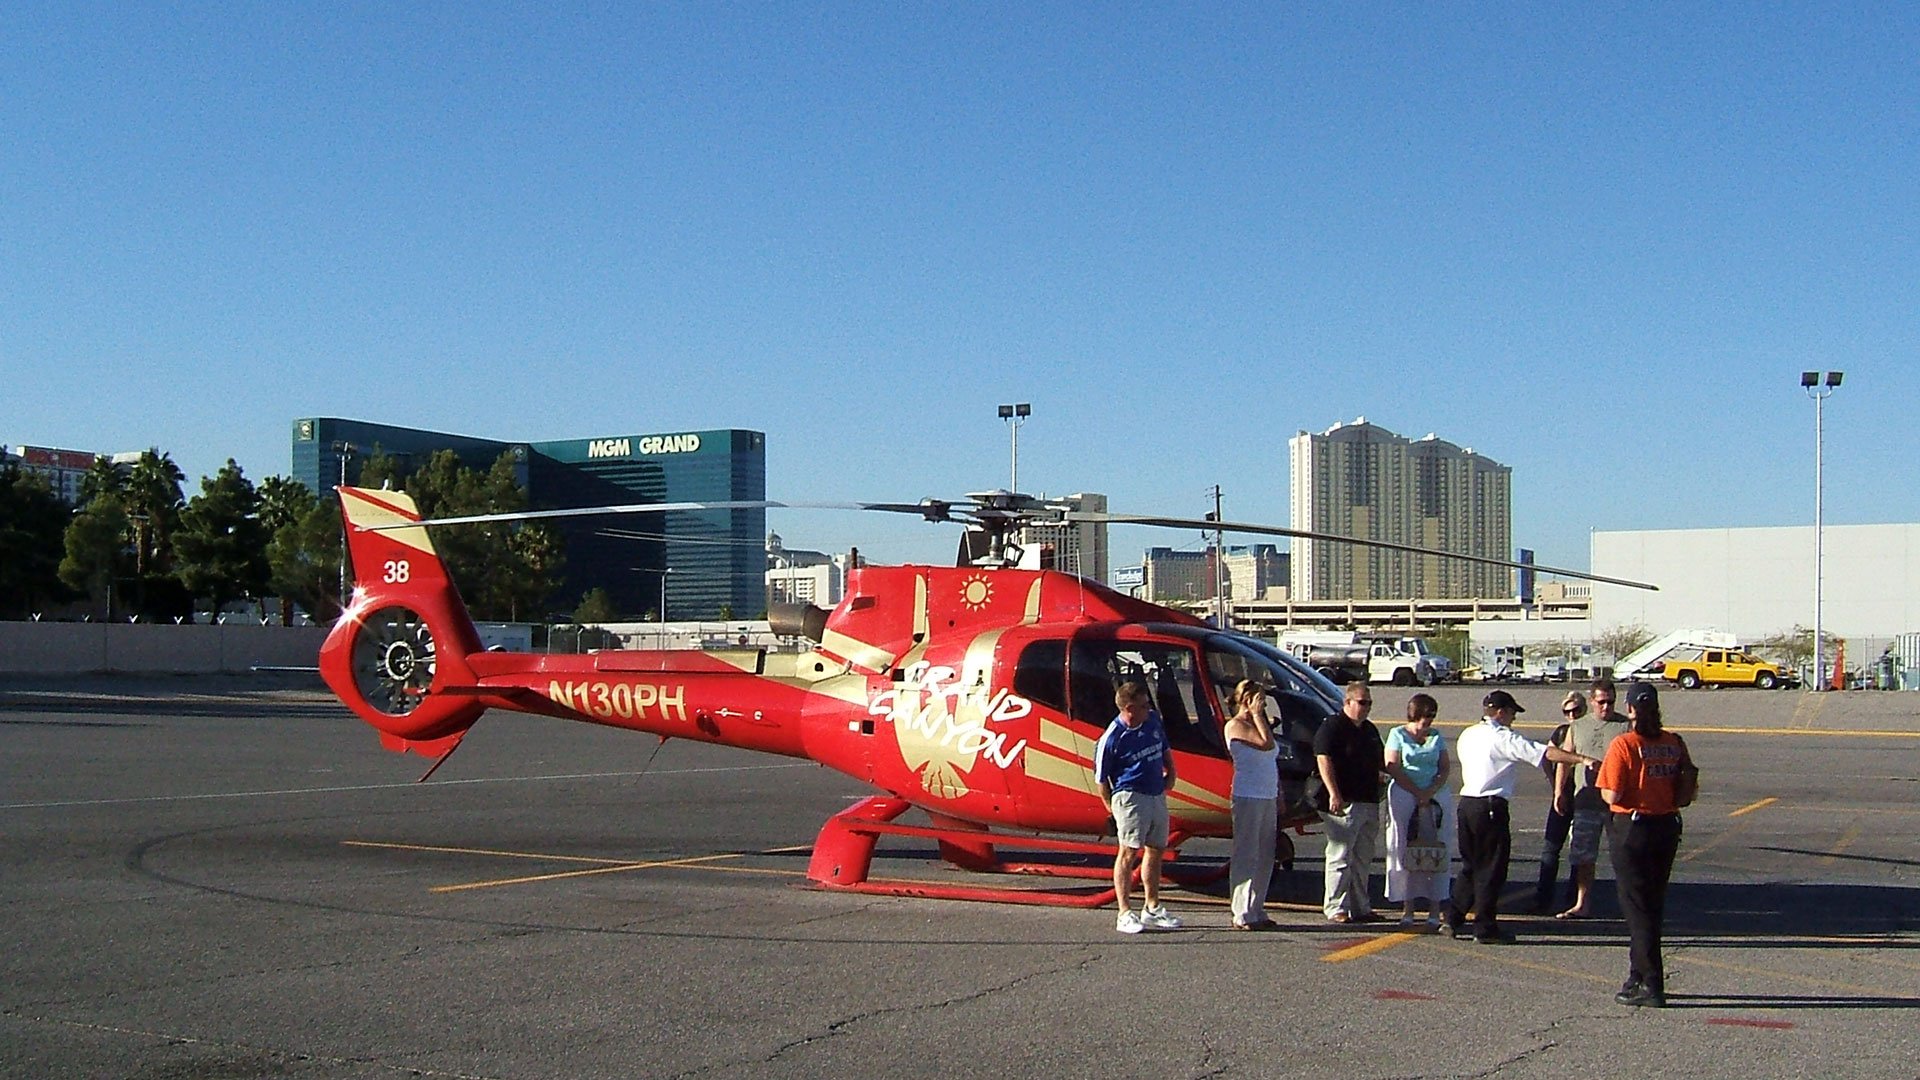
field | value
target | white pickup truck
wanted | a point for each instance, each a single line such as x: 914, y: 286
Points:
x: 1345, y: 657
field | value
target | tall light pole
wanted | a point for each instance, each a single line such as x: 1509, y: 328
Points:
x: 1819, y: 390
x: 663, y: 572
x: 345, y: 451
x: 1015, y: 415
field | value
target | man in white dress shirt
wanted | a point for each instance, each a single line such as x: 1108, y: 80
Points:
x: 1488, y: 753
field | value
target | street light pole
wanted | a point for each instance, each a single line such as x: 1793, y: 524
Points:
x: 1819, y: 390
x: 663, y: 572
x: 1015, y: 415
x: 345, y: 451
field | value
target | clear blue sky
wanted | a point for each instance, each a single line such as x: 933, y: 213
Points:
x: 1596, y: 245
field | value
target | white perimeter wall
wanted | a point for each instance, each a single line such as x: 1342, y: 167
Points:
x: 45, y: 648
x: 1757, y: 582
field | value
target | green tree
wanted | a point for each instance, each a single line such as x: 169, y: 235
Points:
x: 1794, y: 648
x: 221, y: 545
x: 33, y: 522
x: 595, y: 607
x: 1617, y: 641
x: 304, y: 560
x: 102, y: 478
x: 505, y: 570
x: 154, y: 502
x: 282, y: 501
x: 377, y: 469
x: 96, y: 550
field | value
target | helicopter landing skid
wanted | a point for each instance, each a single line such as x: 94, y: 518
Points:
x: 843, y: 856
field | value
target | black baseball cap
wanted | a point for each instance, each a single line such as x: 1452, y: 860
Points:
x: 1642, y: 694
x: 1500, y: 699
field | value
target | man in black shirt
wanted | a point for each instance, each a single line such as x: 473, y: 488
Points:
x: 1351, y: 758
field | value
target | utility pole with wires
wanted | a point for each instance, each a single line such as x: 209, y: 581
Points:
x: 1219, y: 563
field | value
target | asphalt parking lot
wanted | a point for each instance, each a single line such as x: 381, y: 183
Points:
x: 229, y: 878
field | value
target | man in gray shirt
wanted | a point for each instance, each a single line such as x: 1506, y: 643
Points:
x: 1587, y: 736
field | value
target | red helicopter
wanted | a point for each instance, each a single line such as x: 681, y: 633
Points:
x: 974, y: 693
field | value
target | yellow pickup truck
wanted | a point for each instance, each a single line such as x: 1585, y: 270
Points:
x: 1725, y: 667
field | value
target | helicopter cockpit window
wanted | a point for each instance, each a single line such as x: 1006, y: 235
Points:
x: 1168, y: 671
x: 1040, y: 675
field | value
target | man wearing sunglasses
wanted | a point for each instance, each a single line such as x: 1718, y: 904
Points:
x: 1589, y: 736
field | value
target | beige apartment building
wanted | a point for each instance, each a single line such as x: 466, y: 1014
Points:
x: 1360, y: 479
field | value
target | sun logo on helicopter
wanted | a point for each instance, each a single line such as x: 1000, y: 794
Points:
x: 976, y: 591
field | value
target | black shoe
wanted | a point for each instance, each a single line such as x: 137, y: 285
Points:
x: 1460, y: 932
x: 1498, y: 937
x: 1640, y: 994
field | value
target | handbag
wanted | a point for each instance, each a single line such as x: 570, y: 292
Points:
x: 1425, y: 854
x: 1686, y: 784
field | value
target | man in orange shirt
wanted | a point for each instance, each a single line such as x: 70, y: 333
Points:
x: 1639, y: 780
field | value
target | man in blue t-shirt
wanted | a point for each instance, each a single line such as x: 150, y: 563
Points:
x: 1133, y: 765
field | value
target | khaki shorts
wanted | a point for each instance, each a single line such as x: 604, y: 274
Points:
x: 1140, y: 820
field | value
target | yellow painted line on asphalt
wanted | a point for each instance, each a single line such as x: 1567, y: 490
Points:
x: 1841, y: 845
x: 1807, y: 711
x: 1368, y: 948
x: 1510, y: 960
x: 1727, y: 729
x: 1683, y: 959
x: 1751, y: 807
x: 486, y: 851
x: 1733, y: 831
x: 1825, y: 733
x: 694, y: 860
x: 600, y: 865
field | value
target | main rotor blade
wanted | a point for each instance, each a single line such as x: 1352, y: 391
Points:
x: 932, y: 510
x: 1305, y: 534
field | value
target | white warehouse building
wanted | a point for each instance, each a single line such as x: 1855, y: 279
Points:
x: 1758, y: 582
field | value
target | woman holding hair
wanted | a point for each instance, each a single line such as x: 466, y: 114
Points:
x: 1418, y: 762
x: 1641, y: 782
x: 1256, y: 793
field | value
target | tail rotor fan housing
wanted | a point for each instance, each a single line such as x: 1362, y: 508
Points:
x: 394, y: 659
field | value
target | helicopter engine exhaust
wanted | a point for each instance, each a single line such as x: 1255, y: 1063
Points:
x: 798, y: 620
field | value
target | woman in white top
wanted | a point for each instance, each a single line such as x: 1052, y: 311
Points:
x: 1256, y: 793
x: 1417, y: 760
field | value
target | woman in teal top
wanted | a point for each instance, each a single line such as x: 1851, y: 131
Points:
x: 1418, y: 762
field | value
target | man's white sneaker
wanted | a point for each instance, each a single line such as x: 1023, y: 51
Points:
x: 1159, y: 919
x: 1128, y: 922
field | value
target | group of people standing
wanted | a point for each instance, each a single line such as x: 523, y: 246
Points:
x: 1626, y: 778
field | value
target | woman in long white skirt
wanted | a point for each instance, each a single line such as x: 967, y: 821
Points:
x: 1418, y: 761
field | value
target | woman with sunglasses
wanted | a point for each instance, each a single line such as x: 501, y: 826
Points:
x: 1559, y: 810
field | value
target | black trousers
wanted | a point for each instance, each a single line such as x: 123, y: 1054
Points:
x: 1486, y: 843
x: 1643, y: 853
x: 1558, y: 826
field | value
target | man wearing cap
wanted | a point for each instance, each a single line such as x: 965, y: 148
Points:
x: 1487, y: 753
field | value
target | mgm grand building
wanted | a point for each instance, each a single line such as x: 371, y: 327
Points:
x: 701, y: 564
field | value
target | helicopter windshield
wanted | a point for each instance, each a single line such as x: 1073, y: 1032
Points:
x: 1232, y: 657
x: 1299, y: 700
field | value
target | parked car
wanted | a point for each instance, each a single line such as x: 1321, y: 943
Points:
x: 1726, y: 667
